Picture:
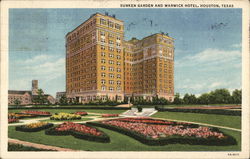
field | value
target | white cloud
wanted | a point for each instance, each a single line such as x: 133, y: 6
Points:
x: 210, y: 57
x: 36, y: 59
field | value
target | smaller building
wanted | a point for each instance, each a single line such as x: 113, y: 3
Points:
x: 59, y: 95
x: 25, y: 97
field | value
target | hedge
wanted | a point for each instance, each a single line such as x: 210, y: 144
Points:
x: 25, y: 129
x: 103, y: 138
x: 75, y: 107
x: 203, y: 111
x: 174, y: 139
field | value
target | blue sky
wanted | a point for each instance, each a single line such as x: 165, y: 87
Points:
x: 207, y: 44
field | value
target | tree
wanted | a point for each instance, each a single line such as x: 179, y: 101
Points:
x: 40, y: 98
x: 17, y: 102
x: 63, y: 100
x: 204, y: 99
x: 186, y: 99
x: 220, y: 96
x: 177, y: 99
x: 236, y: 96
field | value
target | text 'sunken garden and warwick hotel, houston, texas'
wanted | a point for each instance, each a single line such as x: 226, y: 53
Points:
x: 101, y: 64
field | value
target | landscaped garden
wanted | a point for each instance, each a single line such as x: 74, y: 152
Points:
x: 113, y: 132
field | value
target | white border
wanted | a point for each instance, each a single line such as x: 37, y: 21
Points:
x: 5, y: 5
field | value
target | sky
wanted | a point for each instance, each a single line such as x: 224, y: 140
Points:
x: 207, y: 44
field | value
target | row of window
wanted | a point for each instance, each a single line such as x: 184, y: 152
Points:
x: 110, y: 69
x: 110, y: 24
x: 111, y: 62
x: 111, y: 88
x: 111, y: 75
x: 103, y: 54
x: 103, y: 81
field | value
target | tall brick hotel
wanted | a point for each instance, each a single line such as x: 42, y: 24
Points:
x: 101, y: 64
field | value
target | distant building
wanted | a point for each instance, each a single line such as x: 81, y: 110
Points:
x: 59, y: 95
x: 25, y: 96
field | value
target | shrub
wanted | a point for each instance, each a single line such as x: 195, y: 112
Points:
x: 203, y: 111
x: 34, y: 127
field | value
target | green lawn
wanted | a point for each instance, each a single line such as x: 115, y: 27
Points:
x: 221, y: 120
x: 119, y: 142
x: 182, y: 105
x: 72, y: 110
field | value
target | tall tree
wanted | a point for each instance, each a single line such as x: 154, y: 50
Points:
x: 177, y: 99
x: 236, y: 96
x: 204, y: 98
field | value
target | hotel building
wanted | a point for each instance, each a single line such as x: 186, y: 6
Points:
x: 100, y: 64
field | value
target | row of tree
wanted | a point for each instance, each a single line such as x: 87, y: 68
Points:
x: 218, y: 96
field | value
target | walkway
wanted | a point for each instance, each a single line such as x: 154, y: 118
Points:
x: 39, y: 146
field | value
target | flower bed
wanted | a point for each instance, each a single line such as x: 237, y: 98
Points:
x: 37, y: 113
x: 20, y: 116
x: 81, y: 113
x: 13, y: 120
x: 65, y: 116
x: 79, y: 131
x: 110, y: 115
x: 148, y: 120
x: 161, y: 134
x: 33, y: 127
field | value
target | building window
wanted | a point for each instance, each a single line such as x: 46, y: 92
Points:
x: 102, y: 33
x: 111, y: 75
x: 103, y: 54
x: 118, y: 88
x: 111, y: 42
x: 118, y: 70
x: 103, y: 61
x: 111, y: 35
x: 118, y: 57
x: 103, y: 40
x: 102, y: 47
x: 118, y: 63
x: 103, y: 74
x: 111, y: 68
x: 110, y: 24
x: 103, y: 68
x: 111, y: 55
x: 111, y: 62
x: 118, y: 76
x: 118, y: 50
x: 103, y: 21
x: 111, y: 82
x: 103, y: 88
x: 118, y: 82
x: 111, y: 49
x: 103, y: 81
x: 111, y: 88
x: 118, y: 26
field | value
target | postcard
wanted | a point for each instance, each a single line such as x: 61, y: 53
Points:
x: 125, y: 79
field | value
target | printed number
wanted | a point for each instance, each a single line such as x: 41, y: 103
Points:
x: 233, y: 154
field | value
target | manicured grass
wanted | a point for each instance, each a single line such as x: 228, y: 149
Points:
x: 119, y: 142
x: 83, y: 119
x: 72, y: 110
x: 221, y: 120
